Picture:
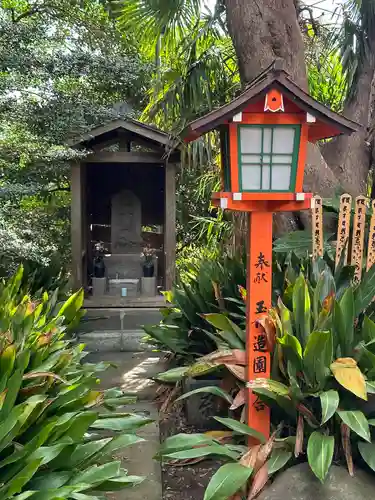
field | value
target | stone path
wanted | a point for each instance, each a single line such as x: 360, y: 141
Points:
x: 132, y: 375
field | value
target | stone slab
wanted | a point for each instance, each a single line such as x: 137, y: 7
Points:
x: 119, y: 319
x: 109, y: 341
x: 299, y: 483
x: 132, y: 373
x: 126, y: 221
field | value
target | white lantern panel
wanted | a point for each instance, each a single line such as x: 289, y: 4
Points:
x: 283, y: 140
x: 282, y: 159
x: 281, y: 177
x: 251, y: 177
x: 266, y: 158
x: 251, y: 140
x: 267, y: 137
x: 251, y: 159
x: 266, y: 178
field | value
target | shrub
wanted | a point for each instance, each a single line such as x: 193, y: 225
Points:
x: 212, y: 287
x: 323, y: 378
x: 52, y: 415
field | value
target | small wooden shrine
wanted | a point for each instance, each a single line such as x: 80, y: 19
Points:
x: 123, y: 201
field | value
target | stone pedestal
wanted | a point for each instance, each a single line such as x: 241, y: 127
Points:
x: 123, y: 288
x: 99, y: 286
x: 123, y: 266
x: 148, y: 287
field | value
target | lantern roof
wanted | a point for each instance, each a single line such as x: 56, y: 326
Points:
x: 326, y: 123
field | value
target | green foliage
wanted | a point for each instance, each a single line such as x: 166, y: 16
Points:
x: 64, y: 68
x: 209, y: 287
x: 323, y: 354
x: 52, y: 416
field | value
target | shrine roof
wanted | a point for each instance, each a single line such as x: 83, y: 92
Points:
x: 274, y: 77
x: 134, y: 127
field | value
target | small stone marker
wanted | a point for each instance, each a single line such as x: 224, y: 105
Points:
x: 126, y: 223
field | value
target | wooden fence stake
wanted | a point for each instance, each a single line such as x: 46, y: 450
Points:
x: 358, y: 237
x: 371, y: 239
x: 343, y: 228
x: 317, y: 227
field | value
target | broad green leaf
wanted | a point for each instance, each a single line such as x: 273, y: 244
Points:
x: 271, y: 385
x: 330, y: 402
x: 119, y: 483
x: 85, y: 451
x: 116, y: 443
x: 241, y: 428
x: 320, y: 449
x: 348, y: 314
x: 184, y: 441
x: 7, y: 359
x: 285, y: 316
x: 318, y: 357
x: 291, y: 349
x: 364, y: 293
x: 357, y: 421
x: 13, y: 386
x: 302, y: 310
x: 368, y: 330
x: 277, y: 460
x: 224, y: 324
x: 203, y: 451
x: 367, y: 451
x: 96, y: 474
x: 216, y: 391
x: 34, y: 444
x: 130, y: 423
x: 347, y: 373
x: 48, y: 453
x: 72, y: 306
x: 227, y: 481
x: 173, y: 375
x: 19, y: 480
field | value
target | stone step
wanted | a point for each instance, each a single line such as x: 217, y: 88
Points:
x: 114, y: 341
x: 107, y: 319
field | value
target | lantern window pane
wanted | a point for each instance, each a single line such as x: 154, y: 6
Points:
x: 251, y: 159
x: 251, y: 139
x: 272, y: 167
x: 267, y: 140
x: 266, y: 178
x: 281, y: 177
x: 251, y: 177
x: 282, y: 159
x: 283, y: 140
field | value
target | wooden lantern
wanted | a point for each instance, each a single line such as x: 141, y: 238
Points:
x: 264, y: 134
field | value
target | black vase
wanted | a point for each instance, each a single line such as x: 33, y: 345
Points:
x: 148, y: 271
x: 99, y: 268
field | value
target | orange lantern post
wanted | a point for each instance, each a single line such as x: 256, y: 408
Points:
x: 264, y: 134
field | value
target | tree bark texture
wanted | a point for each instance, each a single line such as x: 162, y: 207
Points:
x: 263, y: 30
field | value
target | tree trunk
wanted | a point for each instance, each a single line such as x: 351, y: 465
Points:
x: 350, y: 156
x: 263, y: 30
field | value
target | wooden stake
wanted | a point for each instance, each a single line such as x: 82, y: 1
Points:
x: 317, y: 227
x: 371, y: 239
x: 358, y: 237
x: 343, y: 228
x: 258, y: 301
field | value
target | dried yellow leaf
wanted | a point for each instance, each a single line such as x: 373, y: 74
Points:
x: 347, y: 373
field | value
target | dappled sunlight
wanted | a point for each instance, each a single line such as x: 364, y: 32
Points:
x: 136, y: 380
